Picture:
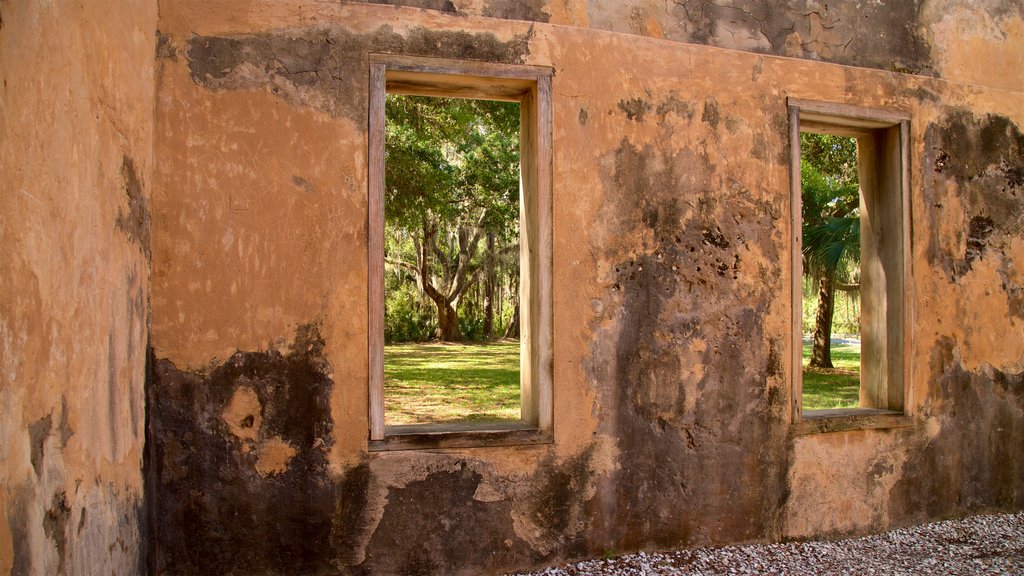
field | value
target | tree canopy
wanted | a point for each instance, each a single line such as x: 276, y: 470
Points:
x: 830, y: 204
x: 451, y: 182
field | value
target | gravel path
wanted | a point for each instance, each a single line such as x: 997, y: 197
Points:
x: 968, y: 546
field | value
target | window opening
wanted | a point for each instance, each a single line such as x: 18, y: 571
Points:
x: 830, y: 211
x: 459, y: 253
x: 850, y: 219
x: 451, y: 233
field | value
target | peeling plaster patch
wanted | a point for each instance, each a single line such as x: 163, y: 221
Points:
x: 244, y: 413
x: 976, y: 163
x: 325, y: 68
x: 273, y: 455
x: 134, y: 222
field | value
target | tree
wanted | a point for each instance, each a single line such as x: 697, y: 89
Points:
x: 451, y: 180
x: 831, y: 227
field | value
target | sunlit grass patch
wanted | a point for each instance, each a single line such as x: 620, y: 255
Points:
x: 833, y: 388
x: 445, y: 382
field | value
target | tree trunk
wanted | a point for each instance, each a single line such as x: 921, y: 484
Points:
x: 513, y: 326
x: 489, y: 288
x: 821, y: 351
x: 447, y: 323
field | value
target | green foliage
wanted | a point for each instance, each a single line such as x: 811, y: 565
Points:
x: 407, y: 318
x: 830, y: 205
x: 450, y: 159
x: 451, y: 182
x: 425, y: 383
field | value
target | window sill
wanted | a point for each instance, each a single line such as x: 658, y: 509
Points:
x: 845, y: 419
x: 460, y: 435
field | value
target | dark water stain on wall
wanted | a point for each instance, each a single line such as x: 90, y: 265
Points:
x: 38, y: 431
x: 981, y: 159
x: 215, y: 510
x: 438, y: 5
x: 703, y: 448
x: 530, y: 10
x: 135, y: 222
x: 326, y: 68
x: 219, y: 508
x: 17, y: 521
x: 436, y: 525
x: 881, y: 35
x: 973, y: 463
x: 55, y: 523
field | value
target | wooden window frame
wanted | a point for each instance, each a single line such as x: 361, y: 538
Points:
x: 883, y: 164
x: 531, y: 87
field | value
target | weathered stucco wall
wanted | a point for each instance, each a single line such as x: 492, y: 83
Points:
x: 944, y: 38
x: 671, y: 303
x: 76, y: 142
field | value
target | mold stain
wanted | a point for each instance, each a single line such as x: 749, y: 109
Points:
x: 325, y: 69
x: 634, y: 108
x: 711, y: 113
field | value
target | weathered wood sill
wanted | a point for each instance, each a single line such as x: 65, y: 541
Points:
x: 845, y: 419
x: 460, y: 435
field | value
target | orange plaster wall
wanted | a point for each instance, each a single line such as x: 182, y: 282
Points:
x: 76, y: 150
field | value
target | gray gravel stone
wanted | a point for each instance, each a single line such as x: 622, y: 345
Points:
x: 988, y: 544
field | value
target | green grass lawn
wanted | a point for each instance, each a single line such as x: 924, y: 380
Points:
x: 445, y: 382
x: 434, y: 382
x: 835, y: 388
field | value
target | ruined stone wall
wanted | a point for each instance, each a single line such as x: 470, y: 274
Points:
x: 671, y: 302
x: 76, y: 142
